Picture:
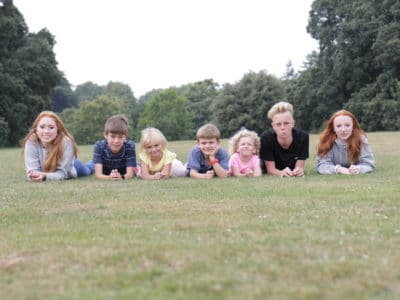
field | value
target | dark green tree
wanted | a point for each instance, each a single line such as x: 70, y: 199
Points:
x: 86, y: 124
x: 28, y: 73
x: 168, y: 111
x: 358, y: 65
x: 246, y: 103
x: 63, y: 96
x: 88, y: 91
x: 200, y: 96
x: 129, y: 103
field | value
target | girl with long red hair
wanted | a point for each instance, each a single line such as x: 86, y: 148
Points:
x: 50, y: 151
x: 343, y: 147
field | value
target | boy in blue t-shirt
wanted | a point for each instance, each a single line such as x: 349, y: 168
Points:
x: 115, y: 157
x: 208, y: 159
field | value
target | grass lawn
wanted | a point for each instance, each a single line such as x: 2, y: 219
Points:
x: 317, y: 237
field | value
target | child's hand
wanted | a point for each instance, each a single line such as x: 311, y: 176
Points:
x: 36, y: 176
x: 249, y: 173
x: 160, y: 175
x: 298, y: 171
x: 214, y: 152
x: 209, y: 174
x: 286, y: 172
x: 115, y: 174
x: 353, y: 169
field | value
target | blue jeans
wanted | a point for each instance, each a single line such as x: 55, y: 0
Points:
x: 84, y: 169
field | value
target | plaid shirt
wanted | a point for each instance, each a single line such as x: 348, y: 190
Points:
x: 126, y: 157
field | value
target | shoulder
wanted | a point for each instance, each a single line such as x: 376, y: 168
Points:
x: 67, y: 142
x: 101, y: 143
x: 195, y: 150
x: 267, y: 134
x: 222, y: 152
x: 364, y: 139
x: 32, y: 143
x: 143, y: 156
x: 130, y: 144
x: 300, y: 133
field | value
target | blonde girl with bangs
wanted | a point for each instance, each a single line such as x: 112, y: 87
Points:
x: 156, y: 161
x: 50, y: 151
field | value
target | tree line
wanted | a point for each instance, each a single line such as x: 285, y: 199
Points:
x: 357, y: 68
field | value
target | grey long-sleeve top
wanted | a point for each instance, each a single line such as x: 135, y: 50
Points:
x: 338, y: 156
x: 35, y: 156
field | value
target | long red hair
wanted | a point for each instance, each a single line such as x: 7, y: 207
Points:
x: 328, y: 136
x: 56, y: 150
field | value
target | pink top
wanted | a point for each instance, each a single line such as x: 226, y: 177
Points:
x: 243, y: 167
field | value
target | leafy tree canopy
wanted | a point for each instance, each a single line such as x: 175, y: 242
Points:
x: 358, y: 65
x: 168, y: 111
x: 246, y: 103
x: 28, y: 73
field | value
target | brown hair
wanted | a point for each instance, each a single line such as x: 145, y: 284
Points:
x: 117, y: 124
x: 56, y: 151
x: 328, y: 136
x: 208, y: 131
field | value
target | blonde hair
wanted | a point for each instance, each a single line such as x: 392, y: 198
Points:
x: 117, y: 124
x: 55, y: 153
x: 151, y: 134
x: 279, y: 108
x: 234, y: 140
x: 208, y: 131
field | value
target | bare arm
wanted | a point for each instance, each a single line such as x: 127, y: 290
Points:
x: 272, y: 170
x: 299, y: 168
x: 145, y: 174
x: 195, y: 174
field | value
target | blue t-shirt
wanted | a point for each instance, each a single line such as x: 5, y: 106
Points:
x: 126, y: 157
x: 197, y: 161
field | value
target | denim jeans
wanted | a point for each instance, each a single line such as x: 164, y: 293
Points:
x: 84, y: 169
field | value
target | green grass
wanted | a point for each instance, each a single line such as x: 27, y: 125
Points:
x: 317, y: 237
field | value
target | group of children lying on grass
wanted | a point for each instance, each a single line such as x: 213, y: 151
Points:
x: 50, y: 151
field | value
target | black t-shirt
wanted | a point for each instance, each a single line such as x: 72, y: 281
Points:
x: 271, y: 150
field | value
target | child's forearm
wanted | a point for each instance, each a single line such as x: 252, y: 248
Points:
x: 220, y: 171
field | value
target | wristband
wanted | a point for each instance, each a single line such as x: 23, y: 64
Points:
x: 214, y: 161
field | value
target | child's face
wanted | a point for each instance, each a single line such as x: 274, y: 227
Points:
x: 115, y: 141
x: 246, y: 146
x: 154, y: 149
x: 208, y: 146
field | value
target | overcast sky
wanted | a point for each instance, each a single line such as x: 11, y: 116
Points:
x: 158, y: 43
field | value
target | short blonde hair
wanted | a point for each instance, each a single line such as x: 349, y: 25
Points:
x: 208, y: 131
x: 279, y: 108
x: 234, y: 140
x: 149, y: 135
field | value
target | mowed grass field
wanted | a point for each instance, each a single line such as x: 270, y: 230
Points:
x: 317, y: 237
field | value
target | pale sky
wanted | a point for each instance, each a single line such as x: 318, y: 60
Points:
x: 161, y: 43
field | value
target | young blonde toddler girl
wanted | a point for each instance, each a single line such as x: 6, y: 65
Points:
x: 244, y: 160
x: 156, y: 161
